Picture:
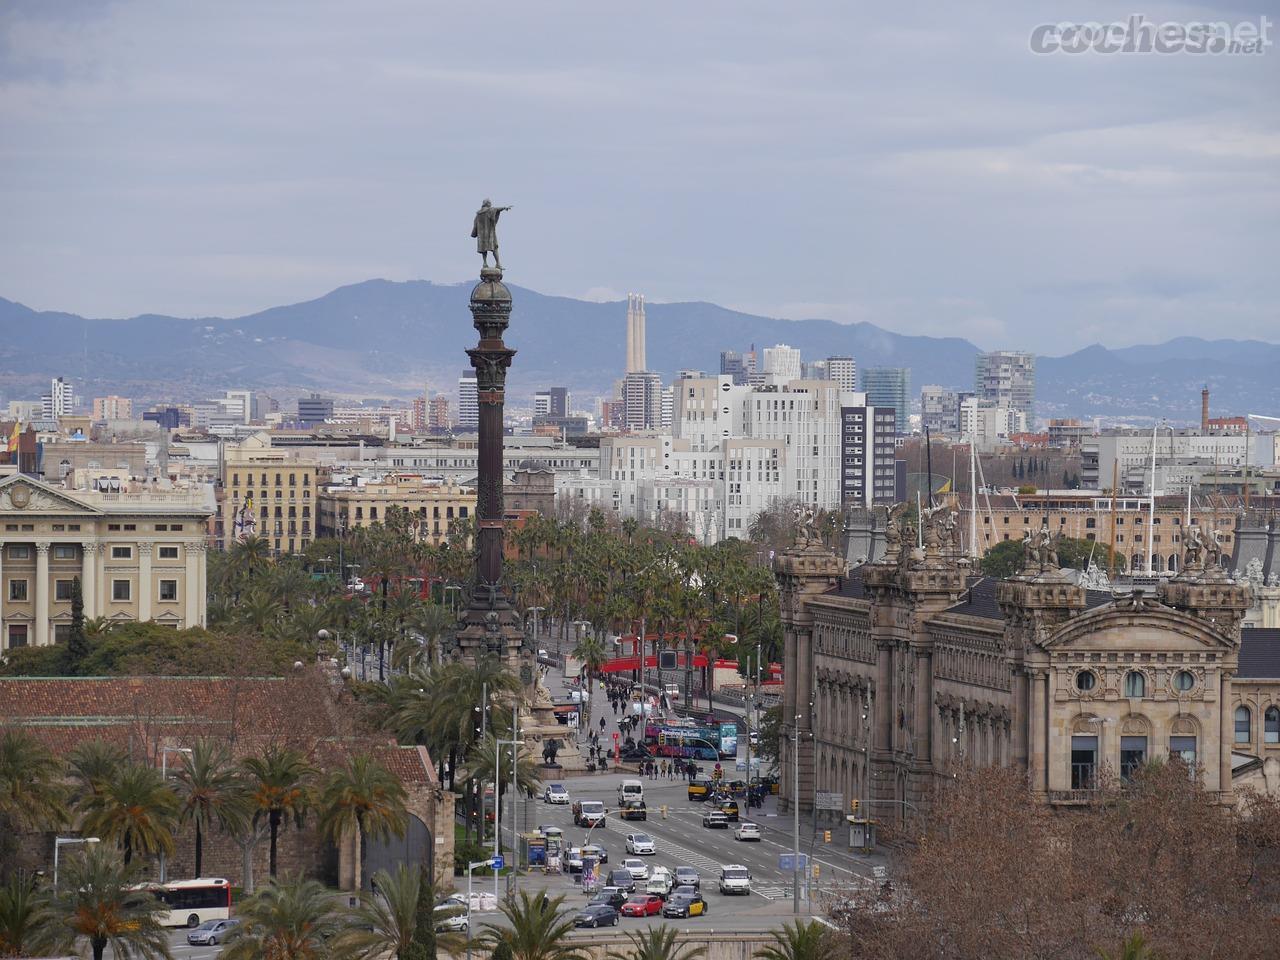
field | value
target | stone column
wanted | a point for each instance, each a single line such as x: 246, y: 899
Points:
x: 89, y: 578
x: 1021, y: 711
x: 922, y: 724
x: 884, y: 697
x: 144, y: 581
x: 1226, y: 726
x: 42, y: 593
x: 1038, y: 748
x: 202, y: 604
x: 4, y: 595
x: 190, y: 584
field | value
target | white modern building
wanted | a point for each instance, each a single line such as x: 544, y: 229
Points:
x: 59, y: 401
x: 468, y: 402
x: 782, y: 361
x: 989, y: 423
x: 1007, y: 377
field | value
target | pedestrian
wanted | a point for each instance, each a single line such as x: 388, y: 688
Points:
x: 602, y: 724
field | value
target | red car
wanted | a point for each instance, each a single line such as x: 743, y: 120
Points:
x: 645, y: 906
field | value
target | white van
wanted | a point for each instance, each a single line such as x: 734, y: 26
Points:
x: 630, y: 790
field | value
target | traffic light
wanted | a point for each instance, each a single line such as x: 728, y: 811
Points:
x: 853, y: 805
x: 662, y: 739
x: 826, y: 836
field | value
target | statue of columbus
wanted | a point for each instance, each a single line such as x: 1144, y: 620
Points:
x: 485, y: 230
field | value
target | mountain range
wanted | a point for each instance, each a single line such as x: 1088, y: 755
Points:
x: 386, y: 339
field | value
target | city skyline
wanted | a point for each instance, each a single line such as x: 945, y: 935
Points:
x: 1066, y: 215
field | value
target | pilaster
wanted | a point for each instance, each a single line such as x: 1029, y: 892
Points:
x: 144, y: 581
x: 89, y: 578
x: 42, y: 593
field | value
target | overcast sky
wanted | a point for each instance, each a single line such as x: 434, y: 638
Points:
x: 913, y: 165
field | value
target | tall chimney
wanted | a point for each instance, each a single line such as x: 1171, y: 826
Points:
x: 1204, y: 409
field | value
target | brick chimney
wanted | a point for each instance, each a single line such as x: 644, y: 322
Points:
x: 1204, y: 410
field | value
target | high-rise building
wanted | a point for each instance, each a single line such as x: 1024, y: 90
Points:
x: 642, y: 400
x: 418, y: 415
x: 843, y: 371
x: 889, y: 387
x: 867, y: 453
x: 987, y: 422
x: 668, y: 408
x: 814, y: 370
x: 315, y: 409
x: 112, y: 408
x: 782, y: 361
x: 438, y: 414
x: 58, y: 402
x: 1008, y: 378
x: 552, y: 402
x: 940, y: 409
x: 468, y: 402
x: 733, y: 364
x: 636, y: 362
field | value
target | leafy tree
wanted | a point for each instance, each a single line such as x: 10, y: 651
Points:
x: 211, y: 791
x: 280, y: 788
x: 26, y: 918
x: 799, y: 940
x: 770, y: 747
x: 362, y: 797
x: 135, y: 809
x: 536, y: 929
x: 100, y: 901
x: 290, y: 919
x: 656, y: 943
x: 390, y: 921
x: 1005, y: 558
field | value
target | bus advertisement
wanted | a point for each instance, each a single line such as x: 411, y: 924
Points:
x: 723, y: 738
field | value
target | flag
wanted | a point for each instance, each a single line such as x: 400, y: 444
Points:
x: 13, y: 438
x: 946, y: 487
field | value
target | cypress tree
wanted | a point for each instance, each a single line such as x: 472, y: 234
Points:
x: 77, y: 642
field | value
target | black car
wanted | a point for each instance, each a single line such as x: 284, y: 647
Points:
x: 623, y: 880
x: 684, y: 906
x: 609, y: 897
x: 596, y: 915
x: 687, y: 877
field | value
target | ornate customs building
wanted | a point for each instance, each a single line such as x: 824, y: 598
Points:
x: 898, y: 672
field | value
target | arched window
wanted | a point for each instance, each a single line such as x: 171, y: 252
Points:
x: 1135, y: 684
x: 1244, y: 725
x: 1271, y: 725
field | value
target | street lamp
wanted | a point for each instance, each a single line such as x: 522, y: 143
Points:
x: 453, y: 601
x: 491, y: 862
x: 535, y: 611
x: 515, y: 743
x: 58, y: 844
x: 164, y: 775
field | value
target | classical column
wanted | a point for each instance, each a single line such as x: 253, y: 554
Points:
x: 4, y: 595
x: 1020, y: 718
x: 191, y: 583
x: 884, y: 697
x: 89, y: 578
x: 42, y: 593
x: 1038, y: 748
x: 922, y: 722
x: 144, y: 581
x: 1226, y: 735
x: 202, y: 607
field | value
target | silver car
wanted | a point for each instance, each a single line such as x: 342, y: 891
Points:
x: 211, y: 932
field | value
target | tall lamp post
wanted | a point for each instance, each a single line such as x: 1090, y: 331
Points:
x: 58, y: 844
x: 515, y: 742
x: 795, y: 815
x: 164, y: 775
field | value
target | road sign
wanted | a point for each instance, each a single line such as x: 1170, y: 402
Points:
x: 829, y: 801
x: 880, y: 873
x: 787, y: 862
x: 497, y: 862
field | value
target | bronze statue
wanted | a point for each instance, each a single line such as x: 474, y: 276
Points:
x: 485, y: 229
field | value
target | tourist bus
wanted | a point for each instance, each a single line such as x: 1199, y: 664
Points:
x: 664, y: 739
x: 192, y: 902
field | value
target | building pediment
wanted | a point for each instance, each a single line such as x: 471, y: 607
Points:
x: 21, y: 495
x: 1142, y: 626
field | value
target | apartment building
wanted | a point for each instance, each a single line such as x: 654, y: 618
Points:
x: 432, y: 506
x: 267, y: 492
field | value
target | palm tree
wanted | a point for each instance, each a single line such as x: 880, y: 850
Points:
x: 26, y: 919
x: 388, y: 922
x: 247, y: 558
x: 258, y: 610
x: 93, y: 763
x: 797, y: 941
x: 1134, y: 947
x: 362, y: 797
x: 211, y: 791
x: 136, y: 809
x: 101, y: 901
x: 487, y: 759
x: 656, y: 943
x: 536, y: 929
x: 31, y: 793
x: 292, y: 919
x: 279, y: 789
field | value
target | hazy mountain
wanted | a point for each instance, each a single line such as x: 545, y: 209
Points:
x: 381, y: 338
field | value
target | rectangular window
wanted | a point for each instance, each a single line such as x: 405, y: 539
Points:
x: 121, y: 591
x: 64, y: 551
x: 175, y: 526
x: 1084, y: 762
x: 131, y: 526
x: 62, y: 590
x: 1133, y: 754
x: 61, y: 632
x: 168, y: 553
x: 121, y: 553
x: 17, y: 591
x: 168, y: 590
x: 1184, y: 747
x: 17, y: 635
x: 19, y: 551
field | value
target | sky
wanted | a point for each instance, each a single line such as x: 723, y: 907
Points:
x: 915, y: 165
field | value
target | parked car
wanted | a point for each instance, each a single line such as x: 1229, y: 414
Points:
x: 480, y: 901
x: 642, y: 905
x: 687, y: 877
x: 735, y: 878
x: 613, y: 896
x: 634, y: 810
x: 641, y: 844
x: 596, y: 915
x: 715, y: 820
x: 451, y: 921
x: 638, y: 868
x: 211, y: 932
x: 747, y: 831
x: 555, y: 793
x: 685, y: 905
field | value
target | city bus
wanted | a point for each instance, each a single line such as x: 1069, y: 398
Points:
x: 721, y: 737
x: 192, y: 902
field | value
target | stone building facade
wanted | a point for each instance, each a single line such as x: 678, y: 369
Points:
x: 901, y: 671
x: 139, y: 555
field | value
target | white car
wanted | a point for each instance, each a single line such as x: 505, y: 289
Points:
x: 555, y: 793
x: 480, y: 901
x: 660, y: 882
x: 747, y: 831
x: 641, y: 844
x: 453, y: 919
x: 735, y: 878
x: 638, y: 869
